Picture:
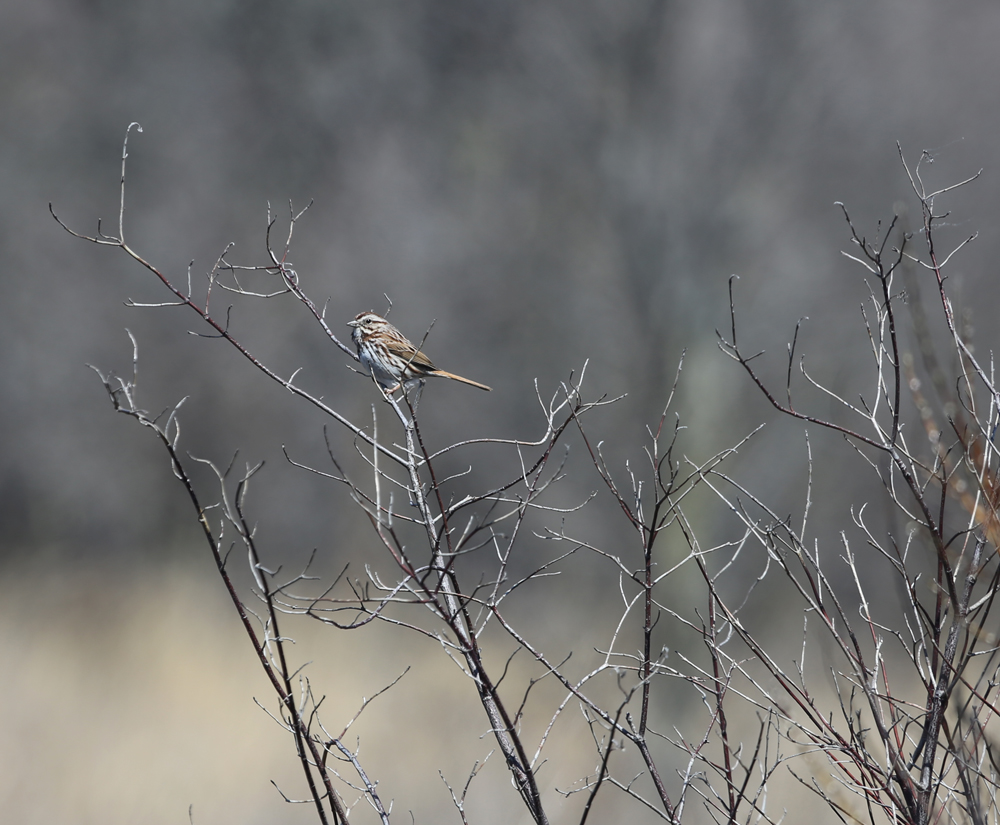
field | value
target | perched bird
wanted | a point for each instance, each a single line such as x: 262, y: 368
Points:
x: 389, y: 356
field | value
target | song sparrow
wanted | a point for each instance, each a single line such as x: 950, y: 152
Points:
x: 389, y: 356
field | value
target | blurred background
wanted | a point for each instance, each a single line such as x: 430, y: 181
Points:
x: 548, y: 183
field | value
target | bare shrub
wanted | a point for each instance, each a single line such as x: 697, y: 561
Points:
x: 894, y: 724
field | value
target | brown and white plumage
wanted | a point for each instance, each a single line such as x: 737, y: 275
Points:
x: 389, y: 356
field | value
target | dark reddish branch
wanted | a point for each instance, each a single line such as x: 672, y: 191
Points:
x: 916, y: 491
x: 280, y: 682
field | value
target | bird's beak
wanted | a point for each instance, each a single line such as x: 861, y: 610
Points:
x: 352, y: 323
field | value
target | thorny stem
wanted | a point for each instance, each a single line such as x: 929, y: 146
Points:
x: 648, y: 532
x: 939, y: 696
x: 299, y: 730
x: 455, y: 614
x: 452, y: 610
x: 951, y: 607
x: 280, y: 678
x: 185, y: 299
x: 448, y: 602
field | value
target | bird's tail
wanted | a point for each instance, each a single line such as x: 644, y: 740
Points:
x: 443, y: 374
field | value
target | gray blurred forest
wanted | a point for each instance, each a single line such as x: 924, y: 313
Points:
x: 551, y: 182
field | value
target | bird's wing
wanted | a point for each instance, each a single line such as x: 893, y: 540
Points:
x: 422, y: 361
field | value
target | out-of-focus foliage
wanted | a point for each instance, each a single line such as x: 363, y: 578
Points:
x: 552, y: 181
